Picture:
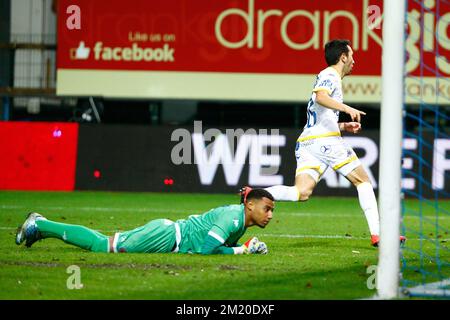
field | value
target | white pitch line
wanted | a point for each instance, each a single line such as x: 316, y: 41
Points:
x: 293, y: 236
x: 312, y: 214
x: 328, y: 236
x: 186, y: 211
x: 314, y: 236
x: 333, y: 215
x: 9, y: 207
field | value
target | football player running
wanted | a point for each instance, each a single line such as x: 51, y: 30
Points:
x: 320, y: 145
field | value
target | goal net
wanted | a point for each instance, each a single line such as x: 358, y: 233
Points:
x: 425, y: 210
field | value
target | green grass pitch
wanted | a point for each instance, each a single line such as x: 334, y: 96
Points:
x: 317, y: 250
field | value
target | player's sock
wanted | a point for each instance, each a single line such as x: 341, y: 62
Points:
x: 368, y: 203
x: 77, y: 235
x: 284, y: 193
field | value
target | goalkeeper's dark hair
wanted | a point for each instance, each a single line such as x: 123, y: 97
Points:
x: 259, y: 194
x: 334, y: 50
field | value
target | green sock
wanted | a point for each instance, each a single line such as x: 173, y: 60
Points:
x: 77, y: 235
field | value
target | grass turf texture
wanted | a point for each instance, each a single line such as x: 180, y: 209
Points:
x: 317, y: 250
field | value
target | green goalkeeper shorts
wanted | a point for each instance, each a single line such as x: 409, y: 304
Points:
x: 161, y: 235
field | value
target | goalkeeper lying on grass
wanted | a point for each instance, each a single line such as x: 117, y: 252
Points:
x: 214, y: 232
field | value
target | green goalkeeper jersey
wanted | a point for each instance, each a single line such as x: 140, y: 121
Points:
x: 226, y: 224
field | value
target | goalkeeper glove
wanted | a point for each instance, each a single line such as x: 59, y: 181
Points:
x: 254, y: 246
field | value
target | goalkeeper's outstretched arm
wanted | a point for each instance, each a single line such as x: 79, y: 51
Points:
x: 213, y: 246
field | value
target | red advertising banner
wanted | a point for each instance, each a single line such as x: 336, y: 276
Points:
x: 235, y: 49
x: 38, y: 156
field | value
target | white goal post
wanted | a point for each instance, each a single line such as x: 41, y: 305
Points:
x: 391, y: 147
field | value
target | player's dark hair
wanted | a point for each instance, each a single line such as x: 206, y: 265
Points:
x: 259, y: 194
x: 334, y: 49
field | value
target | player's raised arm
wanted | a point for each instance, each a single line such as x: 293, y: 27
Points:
x: 323, y: 98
